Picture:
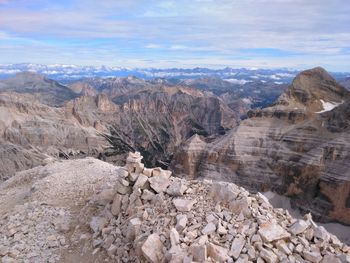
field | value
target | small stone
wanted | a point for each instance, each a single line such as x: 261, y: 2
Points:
x: 105, y: 196
x: 321, y: 233
x: 221, y: 230
x: 210, y: 228
x: 272, y: 231
x: 147, y: 195
x: 133, y: 229
x: 331, y: 259
x: 159, y: 183
x: 199, y: 253
x: 236, y: 247
x: 147, y: 172
x: 299, y: 227
x: 177, y: 187
x: 152, y: 249
x: 160, y: 172
x: 313, y: 256
x: 133, y: 177
x: 116, y: 205
x: 183, y: 205
x: 122, y: 188
x: 282, y: 246
x: 98, y: 223
x: 181, y: 221
x: 139, y: 167
x: 174, y: 237
x: 217, y: 253
x: 7, y: 259
x: 268, y: 256
x: 112, y: 250
x: 141, y: 182
x: 4, y: 250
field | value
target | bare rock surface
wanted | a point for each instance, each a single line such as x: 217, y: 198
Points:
x: 74, y: 210
x: 208, y: 223
x: 298, y: 147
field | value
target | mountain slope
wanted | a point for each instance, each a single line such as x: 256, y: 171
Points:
x: 88, y: 210
x: 296, y: 147
x: 45, y: 90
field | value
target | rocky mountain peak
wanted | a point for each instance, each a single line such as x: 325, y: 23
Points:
x: 313, y: 90
x: 29, y: 76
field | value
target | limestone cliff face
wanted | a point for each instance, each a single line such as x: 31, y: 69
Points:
x: 151, y: 118
x: 156, y: 120
x: 299, y: 147
x: 30, y: 132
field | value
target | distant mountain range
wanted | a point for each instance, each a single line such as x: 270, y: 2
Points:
x: 67, y: 73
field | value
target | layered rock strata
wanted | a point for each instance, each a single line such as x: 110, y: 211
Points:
x: 299, y: 147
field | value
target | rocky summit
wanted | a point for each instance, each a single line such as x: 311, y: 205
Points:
x: 88, y: 210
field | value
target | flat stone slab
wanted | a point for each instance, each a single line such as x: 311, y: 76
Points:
x: 183, y: 205
x: 272, y: 231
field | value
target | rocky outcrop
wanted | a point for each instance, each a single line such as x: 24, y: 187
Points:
x: 208, y: 222
x: 31, y: 133
x: 299, y: 147
x: 83, y: 89
x: 89, y: 210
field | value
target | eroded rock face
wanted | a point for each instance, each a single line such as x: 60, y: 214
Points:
x: 31, y: 133
x: 151, y: 118
x: 298, y: 147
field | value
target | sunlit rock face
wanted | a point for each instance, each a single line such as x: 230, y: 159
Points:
x: 296, y: 148
x: 127, y: 114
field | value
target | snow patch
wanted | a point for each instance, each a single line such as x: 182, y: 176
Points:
x: 247, y: 101
x: 328, y: 106
x: 238, y: 81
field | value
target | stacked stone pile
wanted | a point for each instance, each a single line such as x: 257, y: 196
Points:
x: 150, y: 216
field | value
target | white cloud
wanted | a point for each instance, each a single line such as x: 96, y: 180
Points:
x: 153, y: 46
x: 214, y: 32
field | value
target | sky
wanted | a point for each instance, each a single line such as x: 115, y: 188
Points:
x: 182, y: 33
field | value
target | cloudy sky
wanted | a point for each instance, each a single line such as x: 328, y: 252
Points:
x: 180, y: 33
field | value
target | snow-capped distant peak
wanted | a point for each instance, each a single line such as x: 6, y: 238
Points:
x: 238, y: 81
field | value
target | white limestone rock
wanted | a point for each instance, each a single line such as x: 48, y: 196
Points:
x: 153, y: 248
x: 271, y: 231
x: 183, y: 205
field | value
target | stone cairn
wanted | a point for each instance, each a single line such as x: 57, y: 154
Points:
x: 150, y: 216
